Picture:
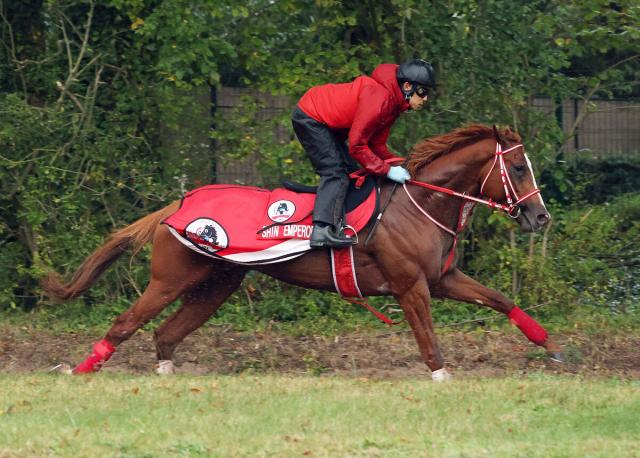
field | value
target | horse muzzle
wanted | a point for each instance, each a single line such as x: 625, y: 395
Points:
x: 531, y: 218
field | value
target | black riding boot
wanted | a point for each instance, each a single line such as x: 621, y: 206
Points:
x: 328, y: 213
x: 326, y: 236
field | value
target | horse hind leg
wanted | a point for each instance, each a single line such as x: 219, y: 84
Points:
x: 198, y: 305
x: 174, y: 270
x: 155, y: 298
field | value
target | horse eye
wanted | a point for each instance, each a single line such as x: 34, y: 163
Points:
x: 518, y: 168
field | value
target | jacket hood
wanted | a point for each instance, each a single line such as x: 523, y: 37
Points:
x: 385, y: 74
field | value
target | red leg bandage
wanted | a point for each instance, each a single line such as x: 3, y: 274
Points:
x: 101, y: 353
x: 529, y: 327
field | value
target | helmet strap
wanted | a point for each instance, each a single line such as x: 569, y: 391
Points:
x: 408, y: 93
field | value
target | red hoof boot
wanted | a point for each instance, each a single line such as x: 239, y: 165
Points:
x: 101, y: 353
x: 529, y: 327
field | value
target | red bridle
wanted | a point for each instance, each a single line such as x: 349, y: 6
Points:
x: 512, y: 207
x: 509, y: 190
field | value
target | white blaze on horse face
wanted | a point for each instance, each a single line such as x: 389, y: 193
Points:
x: 533, y: 177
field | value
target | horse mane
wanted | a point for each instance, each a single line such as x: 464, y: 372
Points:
x: 430, y: 149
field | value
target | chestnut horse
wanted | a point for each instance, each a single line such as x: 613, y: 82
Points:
x: 409, y: 253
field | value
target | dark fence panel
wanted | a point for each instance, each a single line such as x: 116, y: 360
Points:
x: 246, y: 171
x: 610, y: 128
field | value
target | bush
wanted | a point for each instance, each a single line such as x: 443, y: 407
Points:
x: 591, y: 259
x: 61, y: 191
x: 594, y: 180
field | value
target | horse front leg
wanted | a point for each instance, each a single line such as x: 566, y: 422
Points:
x: 415, y: 303
x: 456, y: 285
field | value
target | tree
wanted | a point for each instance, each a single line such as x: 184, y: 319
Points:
x: 97, y: 118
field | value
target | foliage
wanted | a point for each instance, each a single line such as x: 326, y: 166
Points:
x: 99, y: 122
x: 82, y: 153
x: 596, y: 181
x: 62, y: 190
x: 588, y: 257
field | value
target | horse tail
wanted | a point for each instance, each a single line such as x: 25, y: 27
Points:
x: 135, y: 235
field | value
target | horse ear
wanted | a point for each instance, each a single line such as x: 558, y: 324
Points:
x: 496, y: 133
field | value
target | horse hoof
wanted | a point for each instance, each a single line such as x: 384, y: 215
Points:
x: 440, y: 375
x: 557, y: 356
x: 62, y: 368
x: 165, y: 367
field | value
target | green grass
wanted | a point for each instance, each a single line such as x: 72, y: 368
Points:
x: 128, y: 416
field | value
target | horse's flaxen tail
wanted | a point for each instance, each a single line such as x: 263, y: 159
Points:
x: 135, y: 235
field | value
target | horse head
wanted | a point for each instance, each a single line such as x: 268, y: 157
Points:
x: 508, y: 178
x: 484, y: 165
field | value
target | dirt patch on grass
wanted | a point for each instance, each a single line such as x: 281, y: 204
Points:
x: 384, y: 354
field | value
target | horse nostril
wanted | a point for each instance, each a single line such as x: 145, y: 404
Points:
x: 543, y: 218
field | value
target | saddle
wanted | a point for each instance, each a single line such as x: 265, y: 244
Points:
x: 357, y: 193
x: 251, y: 225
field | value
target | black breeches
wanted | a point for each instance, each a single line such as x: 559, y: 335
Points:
x: 330, y: 157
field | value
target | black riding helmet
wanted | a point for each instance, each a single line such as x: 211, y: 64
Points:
x: 418, y: 72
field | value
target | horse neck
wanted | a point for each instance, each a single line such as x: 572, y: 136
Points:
x: 461, y: 171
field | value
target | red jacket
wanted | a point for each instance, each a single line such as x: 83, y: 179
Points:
x: 366, y: 108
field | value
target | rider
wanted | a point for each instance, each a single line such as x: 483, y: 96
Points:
x: 363, y: 112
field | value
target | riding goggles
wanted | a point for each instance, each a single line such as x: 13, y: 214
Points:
x: 422, y: 91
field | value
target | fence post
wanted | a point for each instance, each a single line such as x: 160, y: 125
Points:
x: 213, y: 103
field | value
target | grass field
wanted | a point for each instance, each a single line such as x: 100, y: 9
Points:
x: 134, y: 416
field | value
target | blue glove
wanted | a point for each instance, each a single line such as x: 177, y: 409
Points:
x: 398, y: 174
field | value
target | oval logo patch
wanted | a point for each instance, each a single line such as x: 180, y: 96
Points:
x: 207, y: 234
x: 281, y: 210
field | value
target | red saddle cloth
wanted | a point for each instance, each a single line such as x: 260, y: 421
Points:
x: 250, y: 225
